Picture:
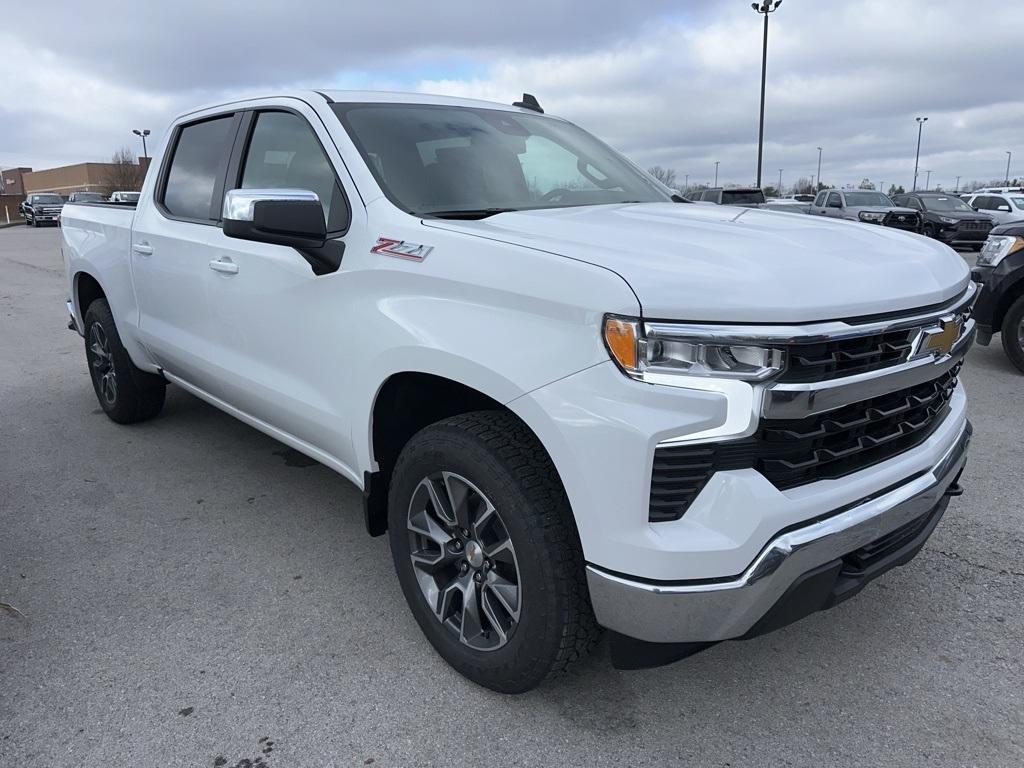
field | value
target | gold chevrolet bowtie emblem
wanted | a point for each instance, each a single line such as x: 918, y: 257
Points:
x: 939, y: 341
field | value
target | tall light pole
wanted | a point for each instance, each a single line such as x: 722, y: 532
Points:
x: 957, y: 184
x: 920, y: 124
x: 716, y: 171
x: 819, y: 170
x: 143, y: 134
x: 928, y: 180
x: 1009, y: 155
x: 765, y: 8
x: 686, y: 184
x: 780, y: 181
x: 881, y: 187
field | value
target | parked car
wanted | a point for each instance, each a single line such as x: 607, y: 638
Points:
x: 865, y: 205
x: 42, y: 207
x: 1000, y: 307
x: 748, y: 197
x: 569, y: 401
x: 799, y: 197
x: 124, y: 197
x: 86, y: 197
x: 1003, y: 207
x: 948, y: 218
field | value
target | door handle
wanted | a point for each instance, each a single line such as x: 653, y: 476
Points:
x: 142, y: 249
x: 227, y: 266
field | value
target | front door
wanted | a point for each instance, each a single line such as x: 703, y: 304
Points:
x: 281, y: 331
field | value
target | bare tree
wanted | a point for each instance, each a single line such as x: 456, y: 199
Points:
x: 866, y: 184
x: 803, y: 186
x: 123, y: 172
x: 666, y: 176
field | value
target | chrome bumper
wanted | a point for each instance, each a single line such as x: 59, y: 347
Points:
x: 709, y: 611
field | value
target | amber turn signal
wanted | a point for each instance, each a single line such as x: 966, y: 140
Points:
x: 620, y: 336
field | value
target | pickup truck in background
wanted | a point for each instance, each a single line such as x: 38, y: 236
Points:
x: 867, y: 206
x: 570, y: 402
x: 42, y: 208
x: 1000, y: 308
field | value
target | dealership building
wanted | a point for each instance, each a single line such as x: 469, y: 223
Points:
x: 81, y: 177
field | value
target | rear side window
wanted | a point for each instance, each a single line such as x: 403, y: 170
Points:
x: 833, y: 199
x: 284, y: 153
x: 193, y: 177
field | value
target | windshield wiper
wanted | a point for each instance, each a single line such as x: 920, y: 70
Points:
x: 469, y: 213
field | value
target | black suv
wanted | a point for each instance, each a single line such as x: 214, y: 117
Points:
x: 1000, y: 307
x: 948, y: 218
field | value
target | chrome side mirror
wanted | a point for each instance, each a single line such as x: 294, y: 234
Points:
x: 289, y: 217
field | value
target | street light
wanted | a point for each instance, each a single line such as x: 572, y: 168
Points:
x: 819, y: 169
x: 957, y: 184
x: 143, y: 133
x: 1008, y: 156
x: 765, y: 8
x: 716, y: 171
x: 928, y: 181
x: 920, y: 124
x: 780, y: 181
x: 686, y: 184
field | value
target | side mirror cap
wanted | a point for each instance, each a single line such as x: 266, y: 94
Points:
x: 291, y: 217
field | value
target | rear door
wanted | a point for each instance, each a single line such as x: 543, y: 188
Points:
x: 280, y: 331
x: 171, y: 249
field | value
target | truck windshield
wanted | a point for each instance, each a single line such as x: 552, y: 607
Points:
x: 48, y: 199
x: 945, y: 204
x: 859, y: 199
x: 464, y: 162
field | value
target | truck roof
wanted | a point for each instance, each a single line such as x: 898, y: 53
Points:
x: 384, y: 97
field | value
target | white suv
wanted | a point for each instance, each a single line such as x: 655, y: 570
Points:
x: 1003, y: 206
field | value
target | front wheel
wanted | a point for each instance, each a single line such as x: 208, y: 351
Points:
x: 126, y: 393
x: 929, y: 231
x: 1012, y: 333
x: 487, y: 553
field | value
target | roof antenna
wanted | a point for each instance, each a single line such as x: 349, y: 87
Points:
x: 529, y: 102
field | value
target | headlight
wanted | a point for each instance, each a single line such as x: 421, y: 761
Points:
x: 947, y: 220
x: 871, y: 216
x: 997, y: 248
x: 648, y: 353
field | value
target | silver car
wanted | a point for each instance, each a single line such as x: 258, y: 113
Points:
x: 865, y: 205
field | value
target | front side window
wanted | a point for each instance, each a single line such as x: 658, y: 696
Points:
x: 284, y: 153
x: 467, y: 162
x: 198, y: 156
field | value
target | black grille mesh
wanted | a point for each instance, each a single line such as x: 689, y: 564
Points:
x: 833, y: 359
x: 794, y: 452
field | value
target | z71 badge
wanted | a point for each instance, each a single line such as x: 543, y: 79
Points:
x: 401, y: 249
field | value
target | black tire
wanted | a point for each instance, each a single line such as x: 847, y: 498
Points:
x: 130, y: 395
x: 929, y: 231
x: 1012, y: 332
x: 505, y: 461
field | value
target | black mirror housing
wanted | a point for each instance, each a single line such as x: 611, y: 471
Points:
x: 295, y: 223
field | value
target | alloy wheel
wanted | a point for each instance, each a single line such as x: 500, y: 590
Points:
x: 464, y: 561
x: 103, y: 364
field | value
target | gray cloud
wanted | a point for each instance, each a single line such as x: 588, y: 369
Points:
x: 668, y: 86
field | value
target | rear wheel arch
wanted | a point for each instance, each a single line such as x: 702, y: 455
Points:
x: 87, y: 290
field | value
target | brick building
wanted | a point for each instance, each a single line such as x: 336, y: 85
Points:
x: 82, y: 177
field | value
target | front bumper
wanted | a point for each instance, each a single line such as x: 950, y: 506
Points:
x: 761, y: 598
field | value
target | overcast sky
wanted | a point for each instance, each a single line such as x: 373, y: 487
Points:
x: 669, y: 83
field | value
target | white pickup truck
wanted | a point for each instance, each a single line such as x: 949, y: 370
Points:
x: 573, y: 401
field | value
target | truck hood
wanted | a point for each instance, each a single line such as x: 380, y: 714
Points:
x: 881, y: 209
x: 729, y: 264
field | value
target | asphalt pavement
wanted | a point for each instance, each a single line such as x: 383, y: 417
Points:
x: 195, y: 594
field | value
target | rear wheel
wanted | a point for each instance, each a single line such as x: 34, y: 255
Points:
x: 487, y: 553
x: 1012, y: 333
x: 126, y: 393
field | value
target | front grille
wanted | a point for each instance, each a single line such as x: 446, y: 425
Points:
x: 975, y: 225
x: 795, y: 452
x: 908, y: 221
x: 844, y: 357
